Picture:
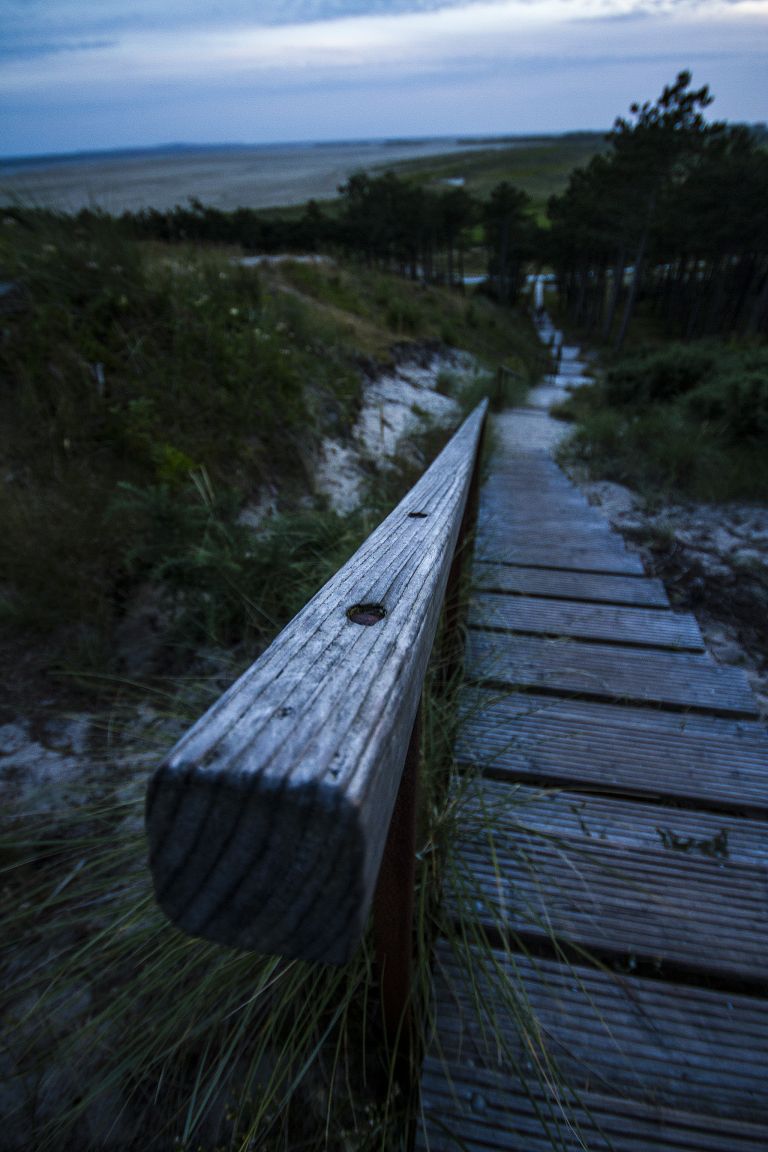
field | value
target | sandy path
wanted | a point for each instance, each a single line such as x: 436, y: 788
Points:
x: 530, y: 427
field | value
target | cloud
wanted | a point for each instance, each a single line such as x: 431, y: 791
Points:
x: 39, y: 27
x: 412, y: 66
x: 396, y: 44
x: 31, y: 28
x: 28, y: 50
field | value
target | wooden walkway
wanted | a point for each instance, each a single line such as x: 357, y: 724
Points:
x: 604, y: 984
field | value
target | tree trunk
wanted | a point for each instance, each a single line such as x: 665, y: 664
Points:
x: 629, y: 305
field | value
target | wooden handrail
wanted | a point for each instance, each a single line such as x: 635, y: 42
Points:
x: 268, y: 820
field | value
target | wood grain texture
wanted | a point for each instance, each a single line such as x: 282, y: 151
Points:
x: 569, y: 667
x: 642, y: 627
x: 532, y: 814
x: 586, y: 586
x: 702, y: 915
x: 560, y: 554
x: 703, y: 760
x: 472, y: 1109
x: 267, y: 821
x: 646, y: 1066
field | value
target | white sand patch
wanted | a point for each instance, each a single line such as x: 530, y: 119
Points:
x: 396, y: 406
x: 280, y: 258
x: 339, y: 475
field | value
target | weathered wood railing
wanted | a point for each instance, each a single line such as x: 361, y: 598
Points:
x: 268, y: 821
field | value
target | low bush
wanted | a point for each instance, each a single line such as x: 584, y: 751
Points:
x: 688, y: 420
x: 658, y: 375
x: 736, y: 402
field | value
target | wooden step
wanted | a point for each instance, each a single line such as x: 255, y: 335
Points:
x: 647, y: 627
x: 559, y: 555
x: 702, y: 760
x: 533, y: 813
x: 588, y: 586
x: 646, y: 905
x: 623, y: 1063
x: 604, y: 671
x: 465, y: 1108
x: 547, y: 527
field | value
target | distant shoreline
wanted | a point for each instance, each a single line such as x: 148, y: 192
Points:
x: 44, y: 159
x: 223, y: 176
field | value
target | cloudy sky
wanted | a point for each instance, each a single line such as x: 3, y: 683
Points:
x: 79, y: 74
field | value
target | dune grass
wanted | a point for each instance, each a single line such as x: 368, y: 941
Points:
x: 677, y: 420
x: 157, y: 395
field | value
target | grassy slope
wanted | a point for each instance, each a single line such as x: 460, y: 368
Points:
x: 539, y: 165
x: 677, y: 420
x: 154, y: 393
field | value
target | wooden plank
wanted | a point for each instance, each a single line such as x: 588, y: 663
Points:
x: 520, y: 489
x: 646, y: 627
x: 674, y: 1045
x: 703, y: 760
x: 626, y: 1064
x: 547, y: 528
x: 532, y: 813
x: 267, y: 821
x: 587, y: 586
x: 559, y: 555
x: 601, y: 671
x: 548, y: 534
x: 517, y: 505
x: 646, y: 905
x: 470, y: 1109
x: 545, y: 517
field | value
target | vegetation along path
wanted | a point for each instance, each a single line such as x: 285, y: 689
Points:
x: 612, y: 846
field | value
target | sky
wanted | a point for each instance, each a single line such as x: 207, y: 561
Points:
x: 92, y: 74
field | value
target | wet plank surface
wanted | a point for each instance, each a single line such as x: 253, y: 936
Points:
x: 607, y: 987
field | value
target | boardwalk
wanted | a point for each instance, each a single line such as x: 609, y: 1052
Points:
x: 612, y: 848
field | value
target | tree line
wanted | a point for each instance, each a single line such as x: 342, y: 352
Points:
x: 385, y: 221
x: 673, y: 216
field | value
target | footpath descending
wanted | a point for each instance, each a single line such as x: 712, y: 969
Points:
x: 604, y: 982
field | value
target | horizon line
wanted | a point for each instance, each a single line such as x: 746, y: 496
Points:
x: 181, y: 145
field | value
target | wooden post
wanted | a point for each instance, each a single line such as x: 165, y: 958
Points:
x: 393, y: 911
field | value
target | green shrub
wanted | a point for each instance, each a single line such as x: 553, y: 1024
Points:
x: 223, y: 580
x: 682, y: 419
x: 658, y: 375
x: 736, y: 401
